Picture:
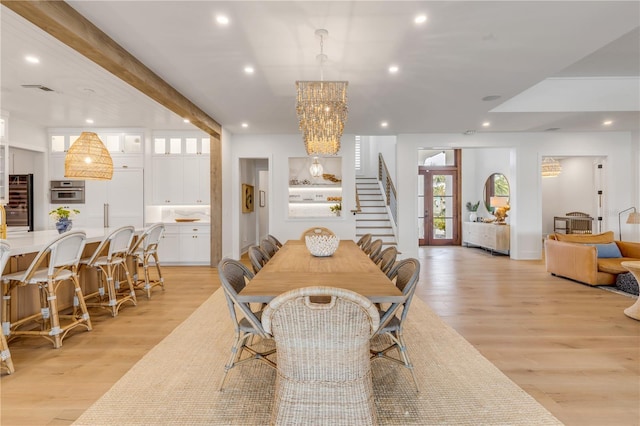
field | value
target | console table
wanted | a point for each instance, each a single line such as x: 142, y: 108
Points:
x: 490, y: 236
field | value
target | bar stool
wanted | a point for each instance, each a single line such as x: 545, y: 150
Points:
x: 109, y: 257
x: 63, y: 255
x: 143, y: 251
x: 5, y: 355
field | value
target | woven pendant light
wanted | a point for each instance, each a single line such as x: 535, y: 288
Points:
x: 88, y: 158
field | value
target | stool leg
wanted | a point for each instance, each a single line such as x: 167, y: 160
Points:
x: 84, y: 312
x: 157, y: 262
x: 5, y: 355
x: 6, y: 304
x: 54, y: 319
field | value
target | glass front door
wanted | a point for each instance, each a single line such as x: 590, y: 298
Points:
x: 437, y: 207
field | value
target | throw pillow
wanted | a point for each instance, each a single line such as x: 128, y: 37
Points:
x: 606, y: 251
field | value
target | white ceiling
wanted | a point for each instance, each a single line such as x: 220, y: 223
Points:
x: 568, y: 65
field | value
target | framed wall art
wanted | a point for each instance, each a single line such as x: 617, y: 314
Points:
x: 247, y: 198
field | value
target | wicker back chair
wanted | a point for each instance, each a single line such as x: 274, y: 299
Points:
x: 405, y: 273
x: 268, y: 247
x: 5, y: 354
x: 317, y: 230
x: 258, y: 258
x: 233, y: 278
x: 111, y: 255
x: 55, y: 264
x: 324, y: 371
x: 373, y: 250
x: 364, y: 241
x: 274, y: 240
x: 145, y: 252
x: 387, y: 259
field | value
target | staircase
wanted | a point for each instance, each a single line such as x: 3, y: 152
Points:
x: 373, y: 218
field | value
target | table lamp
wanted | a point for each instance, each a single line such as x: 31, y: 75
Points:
x: 501, y: 206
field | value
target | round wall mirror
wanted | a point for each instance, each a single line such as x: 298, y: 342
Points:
x: 496, y: 191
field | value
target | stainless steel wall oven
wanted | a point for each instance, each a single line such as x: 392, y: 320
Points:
x: 67, y: 192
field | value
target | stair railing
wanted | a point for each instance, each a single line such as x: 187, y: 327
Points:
x: 357, y: 209
x: 389, y: 188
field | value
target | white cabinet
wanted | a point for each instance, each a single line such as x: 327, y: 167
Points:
x: 196, y: 178
x: 116, y: 202
x: 4, y: 173
x: 180, y: 169
x: 487, y: 235
x: 167, y: 178
x: 185, y: 244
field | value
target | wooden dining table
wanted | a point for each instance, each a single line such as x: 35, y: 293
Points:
x: 294, y: 267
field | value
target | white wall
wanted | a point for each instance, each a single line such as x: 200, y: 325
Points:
x: 277, y: 149
x: 385, y: 145
x: 523, y: 171
x: 477, y: 165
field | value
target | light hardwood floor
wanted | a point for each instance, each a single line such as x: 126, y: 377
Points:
x: 568, y: 345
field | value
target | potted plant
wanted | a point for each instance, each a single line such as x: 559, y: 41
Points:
x: 473, y: 208
x: 336, y: 208
x: 62, y: 216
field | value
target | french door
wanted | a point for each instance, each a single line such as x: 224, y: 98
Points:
x: 438, y: 206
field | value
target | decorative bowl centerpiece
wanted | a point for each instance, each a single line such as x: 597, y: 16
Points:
x: 322, y: 245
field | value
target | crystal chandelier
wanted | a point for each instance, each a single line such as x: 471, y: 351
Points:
x: 550, y: 167
x: 321, y: 107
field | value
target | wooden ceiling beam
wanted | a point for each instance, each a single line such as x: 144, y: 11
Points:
x: 70, y: 27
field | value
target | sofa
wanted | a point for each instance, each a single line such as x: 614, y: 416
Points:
x: 590, y: 259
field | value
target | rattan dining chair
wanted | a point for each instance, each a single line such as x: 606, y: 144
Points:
x: 268, y: 247
x: 405, y: 273
x: 364, y: 241
x: 274, y: 240
x: 56, y: 263
x: 145, y: 252
x: 258, y: 258
x: 374, y: 249
x: 233, y: 278
x: 5, y: 355
x: 109, y: 259
x: 317, y: 230
x: 324, y: 371
x: 387, y: 258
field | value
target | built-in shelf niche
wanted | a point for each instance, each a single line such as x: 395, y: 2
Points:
x: 312, y: 196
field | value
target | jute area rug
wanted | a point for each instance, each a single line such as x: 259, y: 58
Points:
x: 177, y: 381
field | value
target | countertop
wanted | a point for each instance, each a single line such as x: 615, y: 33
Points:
x: 33, y: 242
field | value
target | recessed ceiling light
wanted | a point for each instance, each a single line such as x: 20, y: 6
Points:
x: 249, y: 70
x: 32, y: 59
x: 420, y: 19
x: 186, y: 120
x: 393, y: 69
x: 607, y: 123
x: 486, y: 124
x: 89, y: 121
x: 384, y: 124
x: 222, y: 19
x: 245, y: 125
